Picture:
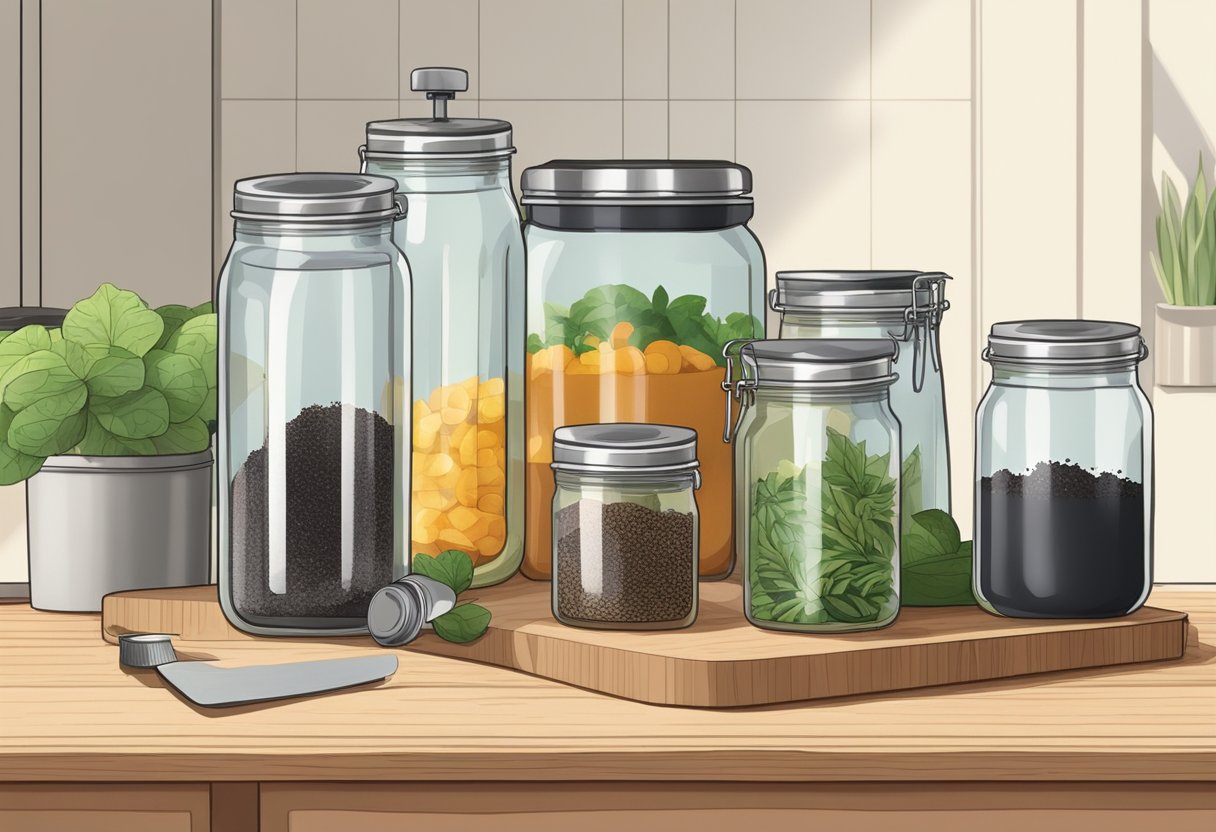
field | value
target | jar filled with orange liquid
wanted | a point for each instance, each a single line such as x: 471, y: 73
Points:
x: 638, y: 274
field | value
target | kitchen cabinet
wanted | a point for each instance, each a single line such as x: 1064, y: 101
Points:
x: 449, y: 745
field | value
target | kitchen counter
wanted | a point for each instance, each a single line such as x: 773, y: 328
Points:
x: 68, y: 714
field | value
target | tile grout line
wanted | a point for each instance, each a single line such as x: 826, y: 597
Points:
x: 480, y: 80
x: 659, y: 98
x: 41, y: 84
x: 734, y: 142
x: 21, y: 154
x: 295, y: 132
x: 1080, y: 158
x: 871, y: 127
x: 623, y: 154
x: 669, y: 98
x: 977, y: 216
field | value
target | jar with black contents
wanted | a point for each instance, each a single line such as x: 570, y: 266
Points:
x: 625, y: 526
x: 1063, y: 525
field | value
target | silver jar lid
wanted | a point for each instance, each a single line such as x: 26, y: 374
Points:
x: 819, y: 363
x: 815, y: 291
x: 635, y: 180
x: 1065, y: 344
x: 316, y: 198
x: 438, y: 137
x: 624, y: 448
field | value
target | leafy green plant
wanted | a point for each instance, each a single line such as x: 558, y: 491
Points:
x: 657, y: 318
x: 464, y: 622
x: 935, y: 564
x: 117, y: 379
x: 910, y: 484
x: 1185, y: 260
x: 833, y: 565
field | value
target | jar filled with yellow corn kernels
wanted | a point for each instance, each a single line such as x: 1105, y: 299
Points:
x: 464, y: 237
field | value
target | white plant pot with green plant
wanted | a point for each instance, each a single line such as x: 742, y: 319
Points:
x: 1185, y: 265
x: 110, y: 419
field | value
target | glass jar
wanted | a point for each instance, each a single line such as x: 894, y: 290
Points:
x: 638, y: 274
x: 1063, y: 472
x: 465, y: 247
x: 817, y: 471
x: 625, y: 526
x: 314, y: 345
x: 907, y: 306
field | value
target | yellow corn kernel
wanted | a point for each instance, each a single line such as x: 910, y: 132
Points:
x: 488, y: 546
x: 491, y: 504
x: 490, y: 476
x: 620, y: 334
x: 487, y: 439
x: 456, y: 406
x: 424, y: 534
x: 491, y: 408
x: 468, y: 448
x: 435, y: 499
x: 426, y: 431
x: 425, y: 548
x: 498, y: 528
x: 492, y: 387
x: 455, y: 538
x: 486, y: 458
x: 500, y: 458
x: 421, y: 411
x: 463, y: 517
x: 436, y: 465
x: 467, y: 491
x: 469, y: 385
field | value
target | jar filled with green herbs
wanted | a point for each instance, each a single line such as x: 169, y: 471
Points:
x: 817, y: 471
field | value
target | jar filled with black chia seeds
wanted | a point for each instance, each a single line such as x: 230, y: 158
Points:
x: 314, y: 427
x: 1063, y: 504
x: 625, y: 526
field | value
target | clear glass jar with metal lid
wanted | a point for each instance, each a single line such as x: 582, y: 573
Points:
x: 817, y: 468
x: 625, y: 526
x: 314, y: 346
x: 1063, y: 472
x: 638, y: 273
x: 465, y: 246
x: 907, y: 306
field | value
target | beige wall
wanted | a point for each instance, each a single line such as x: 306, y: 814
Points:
x: 1012, y: 143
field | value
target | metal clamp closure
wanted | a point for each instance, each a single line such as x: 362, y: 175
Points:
x: 743, y: 390
x: 921, y: 321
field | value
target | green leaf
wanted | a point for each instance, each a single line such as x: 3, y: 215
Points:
x: 114, y: 371
x: 462, y: 624
x: 23, y: 342
x: 141, y: 414
x: 451, y: 567
x: 188, y: 437
x: 197, y: 338
x: 98, y: 441
x: 173, y: 315
x: 15, y: 466
x: 180, y: 378
x: 49, y: 426
x: 41, y: 369
x: 113, y: 317
x: 936, y: 564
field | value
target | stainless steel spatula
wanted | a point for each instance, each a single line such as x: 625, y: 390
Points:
x: 216, y: 687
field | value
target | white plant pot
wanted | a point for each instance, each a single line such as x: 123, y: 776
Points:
x: 1185, y: 346
x: 102, y: 524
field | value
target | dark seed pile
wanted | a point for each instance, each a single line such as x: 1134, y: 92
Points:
x: 1059, y: 479
x: 314, y: 520
x: 649, y: 563
x: 1061, y: 541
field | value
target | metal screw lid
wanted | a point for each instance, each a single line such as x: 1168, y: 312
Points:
x: 316, y: 197
x: 623, y: 448
x: 1065, y: 343
x: 819, y: 362
x: 847, y: 290
x: 439, y: 136
x: 634, y: 180
x: 145, y: 650
x: 397, y: 612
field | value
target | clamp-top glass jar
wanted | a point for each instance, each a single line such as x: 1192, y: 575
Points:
x: 817, y: 469
x: 638, y: 273
x: 314, y: 345
x: 907, y: 306
x: 1063, y: 472
x: 466, y: 251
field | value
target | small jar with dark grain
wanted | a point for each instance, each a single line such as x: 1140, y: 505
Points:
x: 625, y: 526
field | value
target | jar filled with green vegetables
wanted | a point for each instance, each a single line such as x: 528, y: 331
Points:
x: 817, y: 473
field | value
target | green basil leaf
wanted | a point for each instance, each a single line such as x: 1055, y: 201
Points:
x: 98, y: 441
x: 114, y: 371
x: 113, y: 317
x: 15, y: 466
x: 174, y: 315
x: 23, y: 342
x: 936, y: 565
x: 197, y: 338
x: 35, y: 376
x: 451, y: 567
x: 188, y: 437
x: 462, y: 624
x: 49, y: 426
x: 180, y: 378
x: 141, y: 414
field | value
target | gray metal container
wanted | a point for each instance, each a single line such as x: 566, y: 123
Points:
x: 102, y: 524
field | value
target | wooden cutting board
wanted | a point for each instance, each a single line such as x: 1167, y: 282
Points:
x: 723, y: 661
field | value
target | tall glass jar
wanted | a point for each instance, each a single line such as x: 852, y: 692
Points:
x: 817, y: 466
x: 314, y: 345
x: 1063, y: 472
x: 907, y: 306
x: 625, y: 526
x: 638, y: 273
x: 466, y: 251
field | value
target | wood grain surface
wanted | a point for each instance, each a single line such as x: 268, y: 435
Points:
x: 722, y: 660
x: 67, y: 712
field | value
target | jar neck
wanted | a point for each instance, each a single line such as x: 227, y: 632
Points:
x: 1012, y: 376
x: 803, y: 396
x: 445, y: 175
x: 656, y: 481
x: 314, y: 238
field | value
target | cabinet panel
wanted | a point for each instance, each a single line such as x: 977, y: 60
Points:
x: 105, y: 808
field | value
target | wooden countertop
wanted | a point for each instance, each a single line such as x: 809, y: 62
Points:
x: 68, y: 713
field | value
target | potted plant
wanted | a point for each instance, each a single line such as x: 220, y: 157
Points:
x: 1185, y: 264
x: 113, y: 412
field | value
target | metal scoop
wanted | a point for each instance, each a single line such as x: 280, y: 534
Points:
x: 217, y: 687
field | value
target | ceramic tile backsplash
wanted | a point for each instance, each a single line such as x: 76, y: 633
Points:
x: 258, y: 49
x: 922, y: 48
x: 702, y: 130
x: 439, y: 34
x: 257, y: 137
x: 803, y: 49
x: 348, y: 49
x: 10, y: 153
x: 329, y: 133
x: 646, y: 130
x: 702, y: 41
x: 545, y: 130
x: 645, y: 48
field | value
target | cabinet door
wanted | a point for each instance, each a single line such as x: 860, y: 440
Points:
x: 105, y: 808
